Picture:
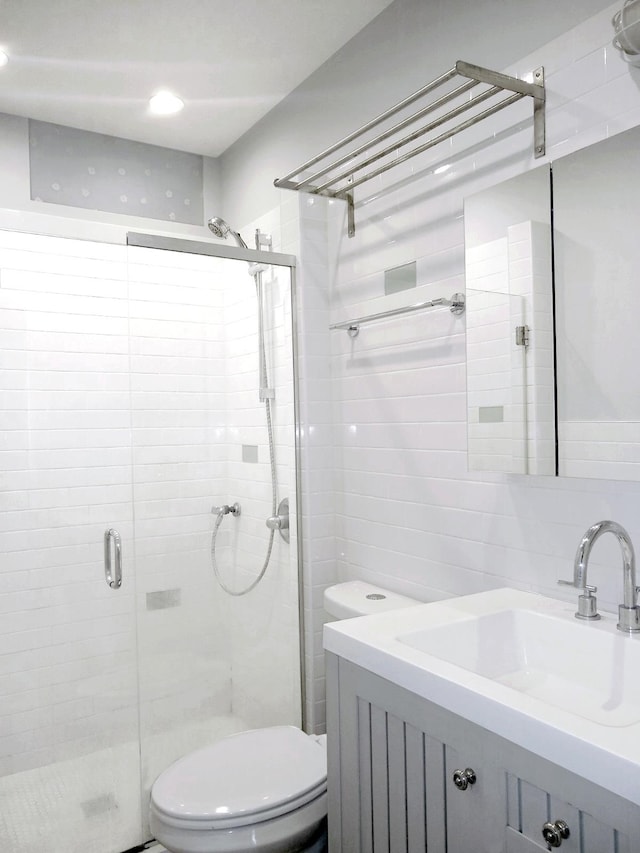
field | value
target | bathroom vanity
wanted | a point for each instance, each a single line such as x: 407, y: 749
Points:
x: 446, y: 734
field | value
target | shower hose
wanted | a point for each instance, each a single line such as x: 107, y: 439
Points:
x: 274, y: 502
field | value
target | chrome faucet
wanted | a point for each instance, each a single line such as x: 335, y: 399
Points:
x: 628, y: 611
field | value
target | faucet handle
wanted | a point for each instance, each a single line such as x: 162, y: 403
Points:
x: 587, y: 589
x: 587, y: 603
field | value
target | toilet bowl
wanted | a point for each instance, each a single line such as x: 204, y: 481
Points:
x: 263, y: 789
x: 260, y: 791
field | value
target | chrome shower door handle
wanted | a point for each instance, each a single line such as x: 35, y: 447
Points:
x: 114, y: 579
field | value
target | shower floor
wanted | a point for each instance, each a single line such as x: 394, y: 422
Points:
x: 74, y: 806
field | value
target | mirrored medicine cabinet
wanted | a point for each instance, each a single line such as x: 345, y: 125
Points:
x: 553, y: 303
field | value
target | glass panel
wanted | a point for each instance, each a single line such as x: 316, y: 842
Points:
x: 210, y: 663
x: 510, y: 351
x: 69, y: 760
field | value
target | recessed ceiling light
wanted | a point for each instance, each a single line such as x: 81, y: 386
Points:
x: 165, y: 104
x: 440, y: 169
x: 4, y: 58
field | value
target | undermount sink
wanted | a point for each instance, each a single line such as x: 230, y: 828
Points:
x: 553, y: 658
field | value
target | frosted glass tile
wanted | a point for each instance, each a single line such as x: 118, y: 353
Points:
x: 98, y: 172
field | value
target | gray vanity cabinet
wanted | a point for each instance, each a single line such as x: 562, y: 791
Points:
x: 407, y: 776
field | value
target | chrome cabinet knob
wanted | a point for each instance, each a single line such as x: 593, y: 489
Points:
x: 553, y: 833
x: 463, y: 778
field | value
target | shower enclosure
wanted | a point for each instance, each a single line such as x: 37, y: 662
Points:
x: 129, y: 408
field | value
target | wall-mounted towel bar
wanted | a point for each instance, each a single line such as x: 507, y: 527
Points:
x: 352, y: 327
x: 339, y: 177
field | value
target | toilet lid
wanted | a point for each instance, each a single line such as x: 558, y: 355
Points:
x: 255, y: 772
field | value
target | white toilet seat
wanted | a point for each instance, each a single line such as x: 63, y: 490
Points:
x: 247, y: 819
x: 254, y: 790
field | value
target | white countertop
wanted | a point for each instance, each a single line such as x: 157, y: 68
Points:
x: 606, y: 755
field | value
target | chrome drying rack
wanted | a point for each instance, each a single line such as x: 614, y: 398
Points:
x: 330, y: 179
x: 352, y: 327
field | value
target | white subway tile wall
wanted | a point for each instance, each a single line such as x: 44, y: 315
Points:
x: 494, y: 384
x: 264, y: 627
x: 406, y: 511
x: 118, y: 369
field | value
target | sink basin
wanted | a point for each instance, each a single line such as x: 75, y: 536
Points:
x: 563, y: 662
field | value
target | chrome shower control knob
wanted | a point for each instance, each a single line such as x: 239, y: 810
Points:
x: 463, y: 778
x: 280, y: 522
x: 554, y: 833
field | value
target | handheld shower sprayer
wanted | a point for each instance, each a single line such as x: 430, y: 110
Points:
x: 222, y: 229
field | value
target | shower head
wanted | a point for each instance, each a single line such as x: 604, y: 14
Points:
x: 222, y: 229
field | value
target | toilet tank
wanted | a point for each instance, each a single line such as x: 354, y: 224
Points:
x: 357, y: 598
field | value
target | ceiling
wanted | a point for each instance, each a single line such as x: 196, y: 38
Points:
x: 93, y: 65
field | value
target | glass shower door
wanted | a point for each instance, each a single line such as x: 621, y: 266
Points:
x: 69, y: 732
x: 129, y: 403
x: 178, y: 443
x: 210, y: 664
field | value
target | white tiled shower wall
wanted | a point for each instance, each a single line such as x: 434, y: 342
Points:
x: 264, y: 625
x: 299, y: 227
x: 408, y: 513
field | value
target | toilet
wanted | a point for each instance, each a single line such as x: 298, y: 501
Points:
x: 259, y: 791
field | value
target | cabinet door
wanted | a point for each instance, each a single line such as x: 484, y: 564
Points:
x: 529, y: 808
x: 476, y: 815
x: 388, y: 789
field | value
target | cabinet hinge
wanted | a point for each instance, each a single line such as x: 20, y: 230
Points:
x: 522, y: 336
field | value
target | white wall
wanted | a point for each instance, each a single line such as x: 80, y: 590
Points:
x: 407, y: 513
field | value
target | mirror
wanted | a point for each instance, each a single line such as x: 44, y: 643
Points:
x: 597, y: 260
x: 509, y: 313
x: 596, y: 250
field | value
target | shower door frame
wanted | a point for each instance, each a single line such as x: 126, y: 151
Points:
x: 201, y: 247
